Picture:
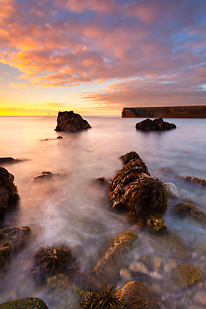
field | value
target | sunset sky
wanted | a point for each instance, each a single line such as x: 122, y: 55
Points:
x: 97, y: 56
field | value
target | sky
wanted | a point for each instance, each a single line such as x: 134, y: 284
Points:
x: 96, y: 57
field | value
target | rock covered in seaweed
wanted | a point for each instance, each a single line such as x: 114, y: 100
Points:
x: 135, y: 295
x: 71, y: 122
x: 8, y: 192
x: 154, y: 125
x: 133, y: 189
x: 196, y: 180
x: 114, y: 254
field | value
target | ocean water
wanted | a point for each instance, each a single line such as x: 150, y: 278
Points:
x: 71, y: 209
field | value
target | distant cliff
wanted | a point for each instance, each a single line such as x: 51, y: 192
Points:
x: 165, y: 112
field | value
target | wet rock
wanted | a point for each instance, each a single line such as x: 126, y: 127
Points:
x: 136, y: 295
x: 186, y: 275
x: 154, y: 125
x: 100, y: 180
x: 156, y: 224
x: 170, y: 244
x: 200, y: 248
x: 130, y: 156
x: 138, y: 267
x: 156, y: 275
x: 172, y: 190
x: 8, y: 192
x: 114, y: 255
x: 196, y: 180
x: 188, y: 210
x: 156, y: 262
x: 15, y: 236
x: 8, y: 160
x: 200, y: 298
x: 53, y: 261
x: 71, y: 122
x: 24, y: 303
x: 58, y: 283
x: 134, y: 190
x: 59, y: 137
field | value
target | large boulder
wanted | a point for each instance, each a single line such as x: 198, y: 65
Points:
x: 8, y: 192
x: 135, y: 295
x: 71, y: 122
x: 154, y: 125
x: 114, y: 255
x: 23, y: 303
x: 134, y: 190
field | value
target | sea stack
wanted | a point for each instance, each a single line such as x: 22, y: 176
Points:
x: 71, y: 122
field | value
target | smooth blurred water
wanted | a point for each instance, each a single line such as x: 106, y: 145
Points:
x: 71, y: 208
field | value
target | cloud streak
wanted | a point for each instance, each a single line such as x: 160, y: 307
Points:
x: 153, y: 50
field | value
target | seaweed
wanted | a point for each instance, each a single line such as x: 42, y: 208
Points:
x: 130, y: 156
x: 106, y: 298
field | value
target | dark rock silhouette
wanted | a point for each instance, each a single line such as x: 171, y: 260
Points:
x: 154, y: 125
x: 71, y: 122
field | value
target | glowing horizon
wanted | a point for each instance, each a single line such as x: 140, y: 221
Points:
x: 97, y: 56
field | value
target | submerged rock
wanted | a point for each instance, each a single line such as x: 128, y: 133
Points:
x: 135, y: 295
x: 8, y: 160
x: 8, y: 192
x: 196, y: 180
x: 44, y: 175
x: 23, y: 303
x: 186, y: 275
x: 188, y: 210
x: 114, y: 254
x: 71, y: 122
x: 15, y: 236
x: 133, y: 189
x: 4, y: 257
x: 154, y: 125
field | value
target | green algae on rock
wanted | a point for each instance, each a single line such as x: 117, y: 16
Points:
x: 106, y: 298
x: 186, y: 275
x: 135, y: 295
x: 8, y: 192
x: 33, y: 303
x: 114, y: 254
x: 188, y: 210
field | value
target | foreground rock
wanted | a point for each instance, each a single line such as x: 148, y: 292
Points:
x: 8, y: 192
x: 54, y: 264
x: 134, y: 190
x: 154, y: 125
x: 33, y: 303
x: 114, y: 255
x: 190, y: 211
x: 136, y: 295
x: 71, y: 122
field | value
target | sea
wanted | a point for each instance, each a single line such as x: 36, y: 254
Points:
x: 72, y: 209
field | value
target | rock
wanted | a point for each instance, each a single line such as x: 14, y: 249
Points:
x: 100, y: 180
x: 156, y: 262
x: 154, y: 125
x: 170, y: 244
x: 200, y: 248
x: 23, y: 303
x: 172, y: 190
x: 4, y: 257
x: 136, y: 295
x: 59, y: 137
x: 45, y: 175
x: 8, y: 192
x: 156, y: 275
x: 8, y: 160
x: 15, y: 236
x: 71, y: 122
x: 188, y: 210
x: 114, y: 255
x: 200, y: 298
x: 186, y: 275
x: 138, y: 267
x: 53, y: 261
x: 130, y: 156
x: 125, y: 275
x: 134, y: 190
x: 196, y: 180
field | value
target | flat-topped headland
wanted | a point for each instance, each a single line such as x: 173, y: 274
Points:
x: 165, y: 112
